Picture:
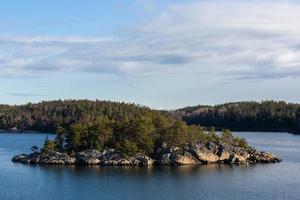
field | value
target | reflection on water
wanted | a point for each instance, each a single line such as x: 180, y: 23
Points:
x: 264, y: 181
x: 179, y: 171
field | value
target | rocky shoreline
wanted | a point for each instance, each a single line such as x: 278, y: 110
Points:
x: 198, y: 154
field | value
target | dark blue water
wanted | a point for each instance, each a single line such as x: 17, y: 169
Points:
x: 265, y: 181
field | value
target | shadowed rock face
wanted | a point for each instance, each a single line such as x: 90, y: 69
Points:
x: 189, y: 155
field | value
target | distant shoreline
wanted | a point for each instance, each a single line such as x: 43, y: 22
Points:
x: 46, y: 116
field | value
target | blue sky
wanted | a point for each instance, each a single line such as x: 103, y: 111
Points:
x: 163, y: 54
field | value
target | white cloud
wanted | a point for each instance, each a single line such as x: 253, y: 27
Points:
x: 238, y: 39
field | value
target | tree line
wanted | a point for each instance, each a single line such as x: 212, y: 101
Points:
x: 128, y: 128
x: 146, y: 134
x: 48, y: 115
x: 252, y: 116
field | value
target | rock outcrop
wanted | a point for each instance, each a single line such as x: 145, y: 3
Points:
x: 51, y: 158
x: 203, y: 154
x: 32, y: 158
x: 175, y: 156
x: 189, y: 155
x: 56, y: 158
x: 88, y: 157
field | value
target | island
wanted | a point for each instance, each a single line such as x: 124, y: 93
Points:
x: 120, y: 134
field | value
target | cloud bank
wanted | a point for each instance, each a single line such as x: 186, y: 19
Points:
x: 230, y: 40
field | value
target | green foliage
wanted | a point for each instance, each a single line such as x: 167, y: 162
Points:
x: 48, y: 115
x: 196, y: 134
x: 49, y: 145
x: 140, y: 134
x: 130, y: 148
x: 212, y: 136
x: 60, y: 138
x: 73, y: 137
x: 177, y: 134
x: 241, y: 142
x: 141, y: 131
x: 88, y: 135
x: 124, y: 127
x: 83, y: 124
x: 227, y: 137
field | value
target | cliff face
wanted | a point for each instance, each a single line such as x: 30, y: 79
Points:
x: 189, y: 155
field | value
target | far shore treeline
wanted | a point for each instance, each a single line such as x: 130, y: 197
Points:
x: 131, y: 129
x: 244, y: 116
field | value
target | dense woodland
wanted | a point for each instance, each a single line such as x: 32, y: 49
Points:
x: 48, y: 115
x: 132, y: 129
x: 128, y: 128
x: 253, y: 116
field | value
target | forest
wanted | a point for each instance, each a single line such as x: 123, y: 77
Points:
x: 85, y: 124
x: 46, y: 116
x: 244, y: 116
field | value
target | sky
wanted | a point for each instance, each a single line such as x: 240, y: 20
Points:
x: 163, y: 54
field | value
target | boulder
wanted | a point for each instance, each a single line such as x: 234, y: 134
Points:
x: 176, y: 156
x: 164, y: 159
x: 123, y: 162
x: 183, y: 159
x: 203, y: 154
x: 56, y: 158
x: 224, y: 156
x: 262, y: 157
x: 109, y: 162
x: 88, y: 157
x: 32, y: 158
x: 231, y: 154
x: 212, y: 147
x: 112, y: 158
x: 144, y: 160
x: 141, y: 160
x: 87, y: 160
x: 18, y: 158
x: 236, y: 159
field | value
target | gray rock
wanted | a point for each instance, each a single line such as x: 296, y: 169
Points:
x: 18, y: 158
x: 56, y: 158
x: 143, y: 160
x: 164, y: 159
x: 88, y: 157
x: 203, y: 154
x: 189, y: 155
x: 262, y: 157
x: 123, y: 162
x: 236, y: 159
x: 32, y: 158
x: 176, y: 156
x: 183, y: 159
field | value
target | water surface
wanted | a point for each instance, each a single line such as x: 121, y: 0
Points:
x: 263, y: 181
